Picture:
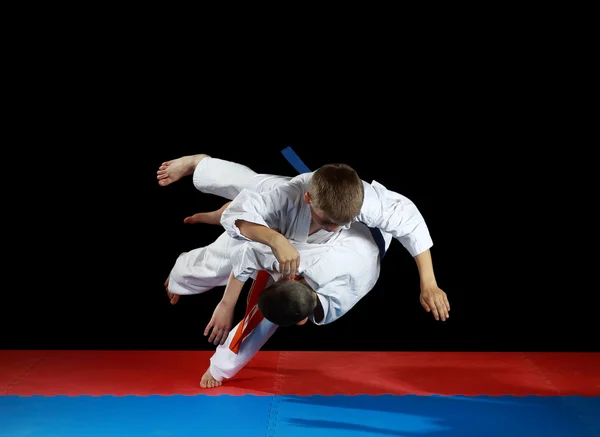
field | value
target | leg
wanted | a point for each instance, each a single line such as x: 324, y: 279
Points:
x: 172, y: 171
x: 226, y: 364
x: 210, y: 218
x: 227, y: 179
x: 200, y: 270
x: 222, y: 178
x: 216, y: 176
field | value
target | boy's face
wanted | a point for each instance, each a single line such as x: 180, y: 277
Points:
x: 320, y: 218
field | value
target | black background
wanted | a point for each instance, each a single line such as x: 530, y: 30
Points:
x: 489, y: 158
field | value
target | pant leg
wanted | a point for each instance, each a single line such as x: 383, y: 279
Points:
x: 226, y: 364
x: 226, y: 179
x: 202, y: 269
x: 222, y: 178
x: 207, y: 267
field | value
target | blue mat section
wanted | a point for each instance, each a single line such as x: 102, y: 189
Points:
x: 456, y: 416
x: 291, y: 416
x: 134, y: 416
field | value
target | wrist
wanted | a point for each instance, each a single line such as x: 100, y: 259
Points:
x: 428, y: 282
x: 275, y: 239
x: 228, y: 301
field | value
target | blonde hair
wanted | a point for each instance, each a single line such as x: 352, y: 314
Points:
x: 337, y: 190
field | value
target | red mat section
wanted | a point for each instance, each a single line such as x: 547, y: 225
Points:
x: 301, y: 373
x: 569, y: 373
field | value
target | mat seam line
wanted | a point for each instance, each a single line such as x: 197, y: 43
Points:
x: 540, y: 373
x: 22, y: 375
x: 559, y: 394
x: 274, y: 409
x: 278, y: 376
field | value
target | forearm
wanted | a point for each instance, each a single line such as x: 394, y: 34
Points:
x: 425, y: 266
x: 259, y: 233
x: 232, y: 290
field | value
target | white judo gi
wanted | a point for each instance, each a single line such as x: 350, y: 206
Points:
x: 341, y: 267
x: 283, y: 208
x: 202, y: 269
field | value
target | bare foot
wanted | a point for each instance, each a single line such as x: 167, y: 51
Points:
x: 172, y: 171
x: 208, y: 381
x: 211, y: 218
x: 173, y: 298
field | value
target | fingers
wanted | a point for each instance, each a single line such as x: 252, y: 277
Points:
x: 294, y: 268
x: 218, y: 335
x: 440, y: 311
x: 434, y: 310
x: 289, y: 269
x: 444, y: 306
x: 207, y: 329
x: 221, y: 337
x: 288, y: 259
x: 438, y: 306
x: 284, y: 267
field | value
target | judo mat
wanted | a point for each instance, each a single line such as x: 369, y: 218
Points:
x: 156, y: 393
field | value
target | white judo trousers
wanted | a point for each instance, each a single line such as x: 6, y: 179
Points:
x: 202, y: 269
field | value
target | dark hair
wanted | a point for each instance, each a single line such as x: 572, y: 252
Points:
x: 286, y: 303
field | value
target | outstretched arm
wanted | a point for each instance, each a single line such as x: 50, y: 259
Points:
x: 433, y: 298
x: 222, y: 317
x: 397, y: 215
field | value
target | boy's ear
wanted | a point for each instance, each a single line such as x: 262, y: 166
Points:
x: 306, y: 197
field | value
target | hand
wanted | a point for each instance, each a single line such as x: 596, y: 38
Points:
x: 434, y: 300
x: 288, y: 257
x: 220, y: 323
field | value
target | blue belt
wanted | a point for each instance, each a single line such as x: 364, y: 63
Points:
x: 300, y: 167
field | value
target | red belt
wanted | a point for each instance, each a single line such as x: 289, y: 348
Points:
x: 253, y: 315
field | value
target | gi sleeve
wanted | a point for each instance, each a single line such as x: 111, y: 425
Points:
x: 275, y: 209
x: 397, y: 215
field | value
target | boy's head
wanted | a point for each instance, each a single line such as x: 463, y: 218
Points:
x: 335, y: 195
x: 287, y: 303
